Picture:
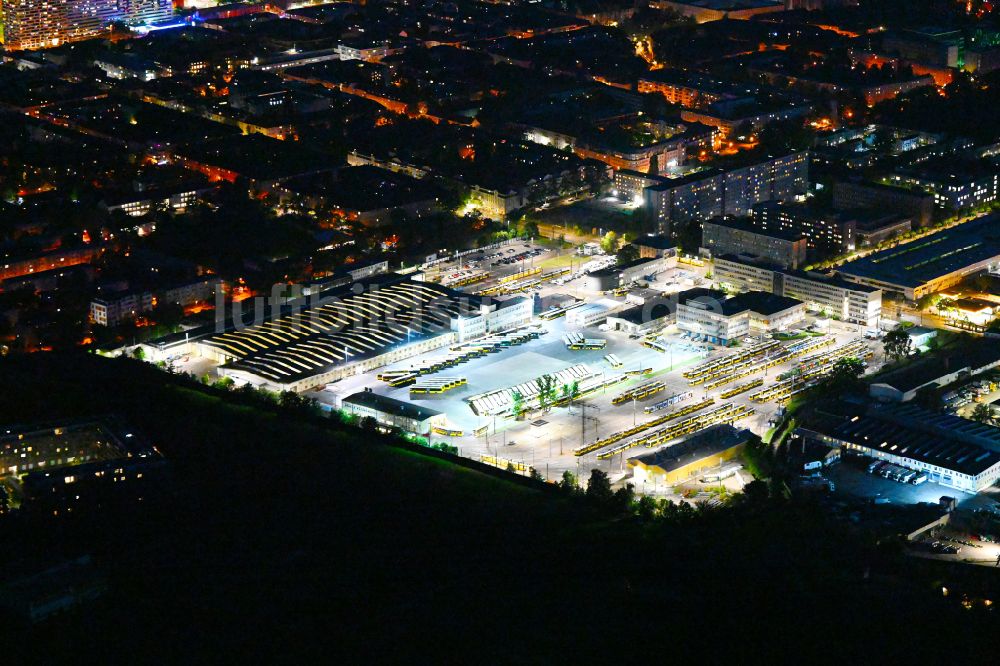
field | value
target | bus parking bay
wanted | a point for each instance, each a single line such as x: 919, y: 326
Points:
x: 546, y: 440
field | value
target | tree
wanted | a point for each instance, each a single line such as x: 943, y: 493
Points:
x: 518, y: 406
x: 845, y: 373
x: 928, y: 301
x: 624, y: 497
x: 546, y: 391
x: 536, y: 475
x: 599, y: 487
x: 609, y: 243
x: 569, y: 482
x: 645, y: 508
x: 982, y: 413
x: 896, y: 343
x: 138, y: 354
x: 627, y: 254
x: 654, y: 165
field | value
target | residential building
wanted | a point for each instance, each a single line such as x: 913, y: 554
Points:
x: 714, y: 192
x: 691, y: 90
x: 826, y: 231
x: 116, y: 307
x: 955, y: 183
x: 628, y: 185
x: 848, y: 195
x: 38, y: 24
x: 746, y: 113
x: 703, y: 11
x: 732, y: 236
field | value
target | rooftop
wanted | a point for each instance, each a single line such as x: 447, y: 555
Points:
x: 388, y: 405
x: 764, y: 302
x: 708, y: 442
x: 916, y: 263
x: 963, y: 446
x: 744, y: 225
x: 974, y: 353
x: 342, y: 326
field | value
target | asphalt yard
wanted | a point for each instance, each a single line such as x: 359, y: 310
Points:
x: 546, y: 439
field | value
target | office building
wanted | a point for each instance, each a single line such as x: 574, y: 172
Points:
x: 709, y: 315
x: 784, y: 248
x: 854, y: 303
x: 38, y: 24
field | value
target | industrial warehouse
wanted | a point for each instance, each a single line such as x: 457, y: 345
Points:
x: 951, y: 451
x: 933, y: 263
x: 349, y: 331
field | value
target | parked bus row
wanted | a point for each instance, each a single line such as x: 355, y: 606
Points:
x: 639, y: 392
x: 688, y: 426
x: 642, y: 427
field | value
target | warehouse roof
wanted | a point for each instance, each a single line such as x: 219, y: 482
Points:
x: 387, y: 405
x: 946, y: 441
x: 916, y: 263
x: 710, y: 441
x: 342, y: 327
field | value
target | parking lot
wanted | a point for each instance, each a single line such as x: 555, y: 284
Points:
x: 546, y: 439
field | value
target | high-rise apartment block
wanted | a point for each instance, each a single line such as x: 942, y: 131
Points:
x: 38, y: 24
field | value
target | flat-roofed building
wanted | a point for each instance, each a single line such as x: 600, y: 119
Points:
x: 393, y: 413
x: 932, y: 263
x: 770, y: 312
x: 849, y: 195
x: 43, y: 24
x: 731, y: 236
x: 709, y: 315
x: 932, y: 371
x: 646, y: 318
x: 628, y: 185
x: 952, y: 451
x: 851, y: 302
x: 956, y: 183
x: 827, y: 231
x: 344, y: 331
x: 689, y: 458
x: 733, y: 191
